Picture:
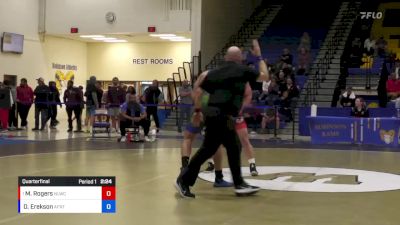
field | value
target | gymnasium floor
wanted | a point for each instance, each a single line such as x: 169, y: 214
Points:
x: 145, y: 173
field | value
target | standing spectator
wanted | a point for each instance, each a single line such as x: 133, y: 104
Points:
x: 186, y: 103
x: 305, y: 41
x: 54, y: 100
x: 73, y: 99
x: 24, y: 102
x: 41, y: 104
x: 91, y: 102
x: 393, y: 87
x: 100, y: 93
x: 125, y: 88
x: 360, y: 109
x: 115, y: 97
x: 131, y: 91
x: 152, y: 97
x: 369, y: 46
x: 348, y: 98
x: 303, y: 61
x: 12, y: 113
x: 381, y: 45
x: 6, y: 101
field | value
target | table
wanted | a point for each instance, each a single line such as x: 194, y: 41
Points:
x: 376, y: 131
x: 66, y: 195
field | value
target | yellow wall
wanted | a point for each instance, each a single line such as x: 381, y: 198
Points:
x: 378, y: 30
x: 106, y: 60
x: 38, y: 57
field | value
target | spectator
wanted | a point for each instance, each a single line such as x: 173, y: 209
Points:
x: 100, y: 93
x: 116, y: 97
x: 286, y: 57
x: 152, y: 97
x: 393, y: 87
x: 6, y: 101
x: 285, y: 107
x: 305, y: 42
x: 54, y: 100
x: 185, y: 93
x: 41, y: 104
x: 397, y: 68
x: 360, y: 109
x: 270, y: 116
x: 381, y: 45
x: 131, y: 91
x: 12, y: 113
x: 91, y: 102
x: 271, y: 94
x: 303, y: 61
x: 244, y: 54
x: 24, y: 102
x: 369, y: 46
x: 133, y: 114
x: 291, y: 88
x: 73, y: 99
x: 281, y: 81
x: 125, y: 88
x: 348, y: 98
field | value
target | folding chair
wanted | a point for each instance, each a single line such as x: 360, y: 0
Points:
x: 101, y: 124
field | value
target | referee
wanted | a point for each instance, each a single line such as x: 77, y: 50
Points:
x: 226, y: 86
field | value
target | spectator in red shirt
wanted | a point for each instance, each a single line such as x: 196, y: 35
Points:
x: 115, y: 98
x: 24, y: 101
x: 393, y: 87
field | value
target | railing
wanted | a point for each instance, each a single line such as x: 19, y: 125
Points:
x: 247, y: 29
x: 322, y: 66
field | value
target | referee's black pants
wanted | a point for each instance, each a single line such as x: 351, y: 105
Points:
x: 219, y: 130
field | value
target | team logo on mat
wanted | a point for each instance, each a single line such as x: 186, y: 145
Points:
x: 315, y: 179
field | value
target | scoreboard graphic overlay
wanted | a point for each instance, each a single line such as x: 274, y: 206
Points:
x: 66, y: 195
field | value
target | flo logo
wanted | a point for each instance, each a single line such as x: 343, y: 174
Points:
x: 315, y: 179
x: 371, y: 15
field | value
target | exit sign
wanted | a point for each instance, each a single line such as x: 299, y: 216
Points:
x: 74, y: 30
x: 151, y: 29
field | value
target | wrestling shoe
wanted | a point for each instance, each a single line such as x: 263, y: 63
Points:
x: 253, y: 169
x: 183, y: 189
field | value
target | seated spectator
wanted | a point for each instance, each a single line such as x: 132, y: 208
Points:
x: 286, y: 57
x: 133, y: 114
x: 291, y: 88
x: 271, y: 94
x: 367, y: 61
x: 253, y: 120
x: 360, y: 109
x: 288, y: 70
x: 285, y: 107
x: 303, y: 61
x: 281, y: 81
x: 348, y: 98
x: 369, y: 46
x: 381, y: 45
x: 305, y: 42
x: 393, y: 87
x: 270, y: 116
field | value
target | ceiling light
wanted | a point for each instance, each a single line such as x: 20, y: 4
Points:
x: 115, y: 41
x: 172, y: 38
x: 91, y: 36
x: 104, y: 38
x: 185, y: 39
x: 162, y: 35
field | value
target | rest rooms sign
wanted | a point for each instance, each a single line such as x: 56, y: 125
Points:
x: 152, y: 61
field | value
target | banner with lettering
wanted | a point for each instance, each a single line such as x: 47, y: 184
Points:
x: 332, y: 129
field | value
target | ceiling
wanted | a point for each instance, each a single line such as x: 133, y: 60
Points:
x: 130, y: 38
